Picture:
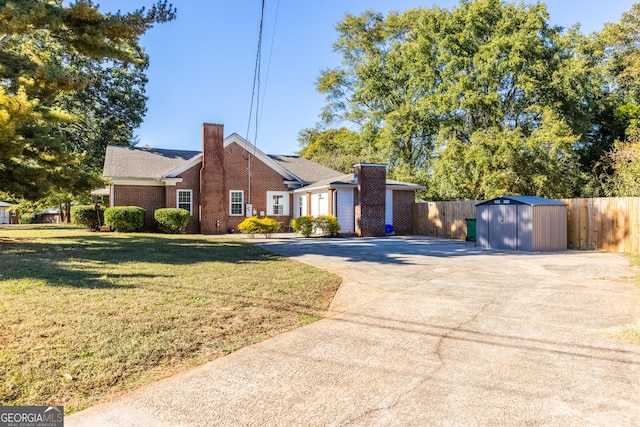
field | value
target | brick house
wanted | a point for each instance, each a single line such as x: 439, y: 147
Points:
x: 231, y: 179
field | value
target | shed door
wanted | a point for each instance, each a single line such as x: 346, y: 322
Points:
x: 503, y: 227
x: 345, y: 213
x: 4, y: 216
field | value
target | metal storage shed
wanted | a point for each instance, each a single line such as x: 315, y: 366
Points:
x: 522, y: 223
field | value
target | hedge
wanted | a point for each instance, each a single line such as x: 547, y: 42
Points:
x: 88, y: 216
x: 255, y: 225
x: 327, y: 224
x: 125, y: 219
x: 172, y: 220
x: 303, y: 225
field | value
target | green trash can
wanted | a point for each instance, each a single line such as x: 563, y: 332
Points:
x: 471, y: 229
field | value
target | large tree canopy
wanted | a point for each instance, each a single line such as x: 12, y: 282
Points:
x: 484, y: 99
x: 71, y: 80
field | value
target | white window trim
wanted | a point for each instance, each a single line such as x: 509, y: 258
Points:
x: 190, y: 199
x: 302, y: 205
x: 285, y: 203
x: 241, y: 203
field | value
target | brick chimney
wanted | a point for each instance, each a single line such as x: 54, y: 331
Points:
x: 213, y: 200
x: 371, y: 180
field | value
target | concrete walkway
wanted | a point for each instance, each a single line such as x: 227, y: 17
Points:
x: 423, y: 332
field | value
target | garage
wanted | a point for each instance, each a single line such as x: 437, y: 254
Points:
x: 522, y: 223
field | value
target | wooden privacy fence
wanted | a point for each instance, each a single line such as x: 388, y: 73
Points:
x: 609, y: 224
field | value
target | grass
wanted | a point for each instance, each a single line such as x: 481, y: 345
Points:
x: 85, y: 315
x: 632, y: 333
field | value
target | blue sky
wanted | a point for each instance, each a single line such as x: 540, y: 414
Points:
x: 202, y: 64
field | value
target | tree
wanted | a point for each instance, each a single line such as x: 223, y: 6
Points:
x: 431, y: 87
x: 51, y: 56
x: 376, y: 90
x: 624, y: 159
x: 338, y: 149
x: 500, y: 161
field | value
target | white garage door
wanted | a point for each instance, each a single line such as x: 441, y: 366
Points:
x: 345, y: 214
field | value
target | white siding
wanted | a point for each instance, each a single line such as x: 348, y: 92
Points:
x: 388, y: 209
x: 344, y: 210
x: 283, y: 199
x: 4, y: 216
x: 319, y: 204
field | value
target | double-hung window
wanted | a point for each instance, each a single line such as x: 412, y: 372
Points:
x: 184, y: 200
x: 236, y: 202
x: 277, y: 203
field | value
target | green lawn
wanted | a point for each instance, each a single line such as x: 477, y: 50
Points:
x: 85, y: 315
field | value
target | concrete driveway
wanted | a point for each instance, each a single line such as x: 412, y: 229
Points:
x: 424, y: 332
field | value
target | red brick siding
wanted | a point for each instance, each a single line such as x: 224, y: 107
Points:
x: 149, y: 198
x: 212, y: 179
x: 403, y: 202
x: 190, y: 181
x: 370, y: 200
x: 263, y: 179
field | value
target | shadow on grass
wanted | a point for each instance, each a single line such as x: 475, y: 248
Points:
x: 79, y: 260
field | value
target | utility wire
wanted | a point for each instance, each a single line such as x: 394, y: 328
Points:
x: 256, y: 80
x: 273, y: 36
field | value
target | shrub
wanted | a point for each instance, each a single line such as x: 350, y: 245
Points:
x: 125, y: 219
x: 172, y: 220
x: 27, y: 217
x: 303, y: 225
x: 255, y: 225
x: 328, y: 224
x: 88, y: 216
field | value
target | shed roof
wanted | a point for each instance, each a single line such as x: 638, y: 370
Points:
x: 5, y: 205
x: 524, y: 200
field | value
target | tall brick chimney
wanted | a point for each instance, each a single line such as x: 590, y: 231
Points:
x: 370, y: 200
x: 213, y: 200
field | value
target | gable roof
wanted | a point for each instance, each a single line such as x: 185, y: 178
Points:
x: 150, y: 163
x: 133, y: 162
x: 159, y: 164
x: 524, y: 200
x: 304, y: 169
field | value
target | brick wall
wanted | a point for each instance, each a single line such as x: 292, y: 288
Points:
x: 212, y: 179
x: 370, y: 199
x: 403, y: 202
x: 190, y: 181
x: 149, y: 198
x: 237, y: 161
x: 225, y: 169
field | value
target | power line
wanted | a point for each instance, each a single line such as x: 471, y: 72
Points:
x: 256, y: 79
x: 273, y: 36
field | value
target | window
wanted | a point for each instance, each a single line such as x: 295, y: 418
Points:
x: 277, y: 203
x: 236, y: 202
x: 302, y: 205
x: 184, y: 200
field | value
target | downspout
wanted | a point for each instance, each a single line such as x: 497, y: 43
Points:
x: 248, y: 180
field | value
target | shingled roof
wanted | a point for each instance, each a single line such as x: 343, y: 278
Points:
x: 133, y: 162
x: 349, y: 180
x: 152, y: 163
x: 304, y: 169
